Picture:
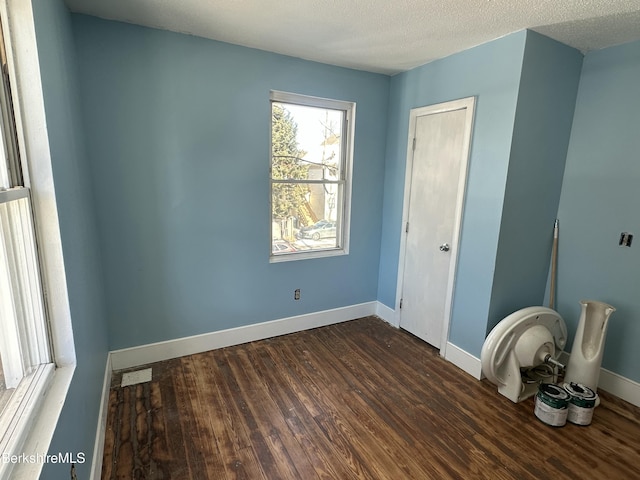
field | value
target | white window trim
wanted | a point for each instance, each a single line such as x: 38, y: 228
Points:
x: 350, y: 108
x: 46, y: 403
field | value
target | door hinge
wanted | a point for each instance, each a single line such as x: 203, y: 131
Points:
x: 406, y: 228
x: 414, y: 144
x: 401, y: 303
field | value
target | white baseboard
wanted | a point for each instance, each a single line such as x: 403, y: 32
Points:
x: 387, y: 314
x: 156, y: 352
x: 615, y: 384
x: 98, y: 448
x: 136, y: 356
x: 463, y: 360
x: 620, y: 386
x: 610, y: 382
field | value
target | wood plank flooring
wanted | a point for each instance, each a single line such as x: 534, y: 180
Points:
x: 357, y: 400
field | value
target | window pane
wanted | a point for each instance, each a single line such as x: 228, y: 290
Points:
x: 10, y: 168
x: 306, y: 142
x: 307, y: 218
x: 4, y: 165
x: 23, y: 343
x: 5, y: 393
x: 311, y: 157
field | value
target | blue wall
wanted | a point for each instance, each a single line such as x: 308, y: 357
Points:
x: 492, y: 73
x: 175, y: 166
x: 526, y: 88
x: 599, y: 201
x: 77, y: 426
x: 177, y: 129
x: 546, y: 103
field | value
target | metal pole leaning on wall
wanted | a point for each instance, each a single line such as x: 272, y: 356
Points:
x: 554, y: 264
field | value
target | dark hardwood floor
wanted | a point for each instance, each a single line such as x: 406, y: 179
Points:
x: 357, y: 400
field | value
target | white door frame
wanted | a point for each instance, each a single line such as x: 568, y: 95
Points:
x: 463, y: 103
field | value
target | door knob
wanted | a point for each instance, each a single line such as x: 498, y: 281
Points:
x: 444, y: 247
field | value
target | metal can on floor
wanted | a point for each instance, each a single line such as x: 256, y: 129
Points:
x: 552, y: 405
x: 582, y: 401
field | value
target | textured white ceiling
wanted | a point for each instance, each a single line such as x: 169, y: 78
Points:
x: 386, y: 36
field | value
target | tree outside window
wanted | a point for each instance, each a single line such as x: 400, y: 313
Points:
x: 310, y: 162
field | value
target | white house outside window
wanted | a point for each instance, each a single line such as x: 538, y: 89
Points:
x: 311, y: 163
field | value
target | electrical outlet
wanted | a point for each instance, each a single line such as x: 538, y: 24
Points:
x: 296, y: 294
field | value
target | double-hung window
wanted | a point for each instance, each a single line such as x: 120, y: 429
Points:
x: 26, y: 360
x: 311, y: 164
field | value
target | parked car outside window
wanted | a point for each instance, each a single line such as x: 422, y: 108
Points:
x: 321, y: 229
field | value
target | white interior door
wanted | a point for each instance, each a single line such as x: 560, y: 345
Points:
x: 436, y: 176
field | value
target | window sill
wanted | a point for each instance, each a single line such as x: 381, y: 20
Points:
x: 44, y: 423
x: 289, y: 257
